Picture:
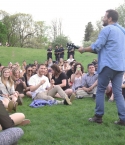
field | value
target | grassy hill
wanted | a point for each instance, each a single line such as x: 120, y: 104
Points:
x: 14, y: 54
x: 63, y: 124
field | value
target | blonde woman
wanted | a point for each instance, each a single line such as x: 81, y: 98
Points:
x: 24, y: 66
x: 9, y: 96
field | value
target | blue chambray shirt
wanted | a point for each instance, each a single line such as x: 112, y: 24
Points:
x: 110, y: 47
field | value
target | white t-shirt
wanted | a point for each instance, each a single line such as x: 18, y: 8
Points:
x: 35, y: 80
x: 70, y: 60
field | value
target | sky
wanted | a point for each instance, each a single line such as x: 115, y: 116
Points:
x: 74, y: 14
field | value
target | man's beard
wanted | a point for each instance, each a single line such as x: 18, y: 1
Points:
x: 105, y: 24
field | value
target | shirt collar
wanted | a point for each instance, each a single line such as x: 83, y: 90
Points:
x: 89, y: 73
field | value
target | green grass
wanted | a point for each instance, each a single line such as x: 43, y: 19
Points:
x: 62, y: 124
x: 14, y: 54
x: 69, y: 125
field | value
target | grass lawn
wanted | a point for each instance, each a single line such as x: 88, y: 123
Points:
x: 69, y: 125
x: 14, y: 54
x: 62, y: 124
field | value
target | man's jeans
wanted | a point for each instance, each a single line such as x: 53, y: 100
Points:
x: 104, y: 77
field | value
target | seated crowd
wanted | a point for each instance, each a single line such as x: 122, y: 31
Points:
x: 54, y: 82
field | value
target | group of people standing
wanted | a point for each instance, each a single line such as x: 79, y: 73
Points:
x: 59, y: 52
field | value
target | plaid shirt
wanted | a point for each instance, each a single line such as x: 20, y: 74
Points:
x: 88, y: 80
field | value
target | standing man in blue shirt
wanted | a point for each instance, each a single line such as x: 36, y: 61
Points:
x: 110, y: 47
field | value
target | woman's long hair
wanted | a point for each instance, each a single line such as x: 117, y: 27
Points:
x: 3, y: 78
x: 75, y: 66
x: 14, y: 72
x: 56, y: 69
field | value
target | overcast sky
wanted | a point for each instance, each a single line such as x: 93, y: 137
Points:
x: 75, y: 14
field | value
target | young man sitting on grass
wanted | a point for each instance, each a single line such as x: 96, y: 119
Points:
x: 89, y: 83
x: 42, y: 89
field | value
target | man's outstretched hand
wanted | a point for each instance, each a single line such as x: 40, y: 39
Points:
x: 81, y: 50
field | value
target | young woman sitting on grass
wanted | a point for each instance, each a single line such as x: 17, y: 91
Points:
x: 19, y: 82
x: 27, y: 75
x: 76, y: 78
x: 8, y: 94
x: 60, y: 79
x: 11, y: 134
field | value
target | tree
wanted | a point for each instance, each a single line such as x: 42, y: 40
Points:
x: 3, y: 33
x: 60, y: 40
x: 40, y: 38
x: 96, y: 31
x: 88, y: 31
x: 121, y: 12
x: 56, y: 28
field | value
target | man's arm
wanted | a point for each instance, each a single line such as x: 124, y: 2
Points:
x: 93, y: 86
x: 86, y: 49
x: 33, y: 88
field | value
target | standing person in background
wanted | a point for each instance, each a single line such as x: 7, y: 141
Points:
x: 49, y: 52
x: 110, y: 47
x: 56, y: 52
x: 70, y: 51
x: 61, y: 52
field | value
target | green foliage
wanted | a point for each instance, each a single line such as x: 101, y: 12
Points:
x: 121, y: 11
x: 88, y: 31
x: 22, y: 31
x: 87, y: 43
x: 3, y: 32
x: 60, y: 40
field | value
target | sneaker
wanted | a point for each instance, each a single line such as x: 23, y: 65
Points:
x: 72, y: 97
x: 15, y: 143
x: 10, y: 106
x: 94, y: 96
x: 19, y: 101
x: 110, y: 100
x: 79, y: 97
x: 25, y: 122
x: 120, y: 122
x: 67, y: 101
x: 59, y: 102
x: 96, y: 118
x: 15, y: 106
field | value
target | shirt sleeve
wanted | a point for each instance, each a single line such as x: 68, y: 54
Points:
x: 63, y: 76
x: 32, y: 82
x: 48, y: 83
x: 84, y: 81
x: 102, y: 39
